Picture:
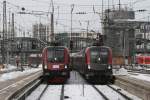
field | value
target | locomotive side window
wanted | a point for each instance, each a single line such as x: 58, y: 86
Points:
x: 55, y: 55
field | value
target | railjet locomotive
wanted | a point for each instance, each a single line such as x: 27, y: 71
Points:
x: 94, y: 62
x: 55, y: 62
x: 143, y: 59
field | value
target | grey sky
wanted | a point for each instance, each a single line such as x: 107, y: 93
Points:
x: 62, y: 12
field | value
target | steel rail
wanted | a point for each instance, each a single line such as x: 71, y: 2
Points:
x: 123, y: 95
x: 62, y: 93
x: 20, y: 81
x: 43, y: 92
x: 102, y: 94
x: 23, y: 94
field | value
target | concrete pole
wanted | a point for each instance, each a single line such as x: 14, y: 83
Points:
x: 119, y: 5
x: 87, y: 33
x: 102, y: 9
x: 52, y: 22
x: 4, y: 31
x: 72, y: 7
x: 52, y: 27
x: 13, y: 27
x: 70, y: 36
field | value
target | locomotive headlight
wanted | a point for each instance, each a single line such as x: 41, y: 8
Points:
x: 45, y: 66
x: 109, y: 67
x: 65, y: 66
x: 89, y: 67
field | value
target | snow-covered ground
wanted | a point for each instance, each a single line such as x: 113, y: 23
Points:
x: 81, y: 92
x: 123, y: 71
x: 15, y: 74
x: 145, y: 77
x: 35, y: 94
x: 52, y: 93
x: 78, y: 92
x: 125, y: 93
x: 113, y: 95
x: 8, y: 67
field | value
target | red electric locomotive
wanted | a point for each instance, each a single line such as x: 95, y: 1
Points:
x: 94, y: 62
x: 55, y: 62
x: 143, y: 60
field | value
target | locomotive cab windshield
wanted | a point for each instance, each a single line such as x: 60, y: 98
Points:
x: 55, y: 55
x: 99, y: 56
x: 56, y: 62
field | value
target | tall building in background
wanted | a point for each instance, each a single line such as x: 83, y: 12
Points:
x: 120, y: 33
x: 126, y: 36
x: 41, y: 31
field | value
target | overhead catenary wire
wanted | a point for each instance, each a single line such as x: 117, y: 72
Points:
x: 138, y: 1
x: 64, y: 4
x: 92, y: 6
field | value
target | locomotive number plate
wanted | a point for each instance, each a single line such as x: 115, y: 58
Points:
x: 55, y: 66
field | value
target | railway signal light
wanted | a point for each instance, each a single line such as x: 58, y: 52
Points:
x: 33, y: 45
x: 71, y: 44
x: 139, y: 42
x: 100, y: 39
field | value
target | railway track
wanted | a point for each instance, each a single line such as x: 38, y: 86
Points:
x: 12, y: 91
x: 106, y: 96
x: 62, y: 92
x: 137, y: 87
x: 44, y: 91
x: 101, y: 93
x: 48, y: 89
x: 123, y: 95
x: 139, y: 72
x: 45, y: 88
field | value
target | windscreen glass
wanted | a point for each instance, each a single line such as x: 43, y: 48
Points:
x: 55, y: 55
x: 99, y: 55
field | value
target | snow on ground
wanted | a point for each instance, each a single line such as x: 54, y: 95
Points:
x: 8, y: 67
x: 141, y: 77
x: 73, y: 92
x: 148, y: 69
x: 35, y: 94
x: 111, y: 94
x: 121, y: 71
x: 15, y: 74
x: 52, y: 93
x: 139, y: 67
x: 78, y: 92
x: 81, y: 92
x: 133, y: 97
x: 40, y: 65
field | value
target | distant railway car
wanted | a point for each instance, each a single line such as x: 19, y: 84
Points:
x: 143, y: 60
x: 55, y: 62
x: 34, y: 60
x: 94, y: 62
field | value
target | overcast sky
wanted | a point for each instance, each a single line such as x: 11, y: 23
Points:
x: 62, y: 9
